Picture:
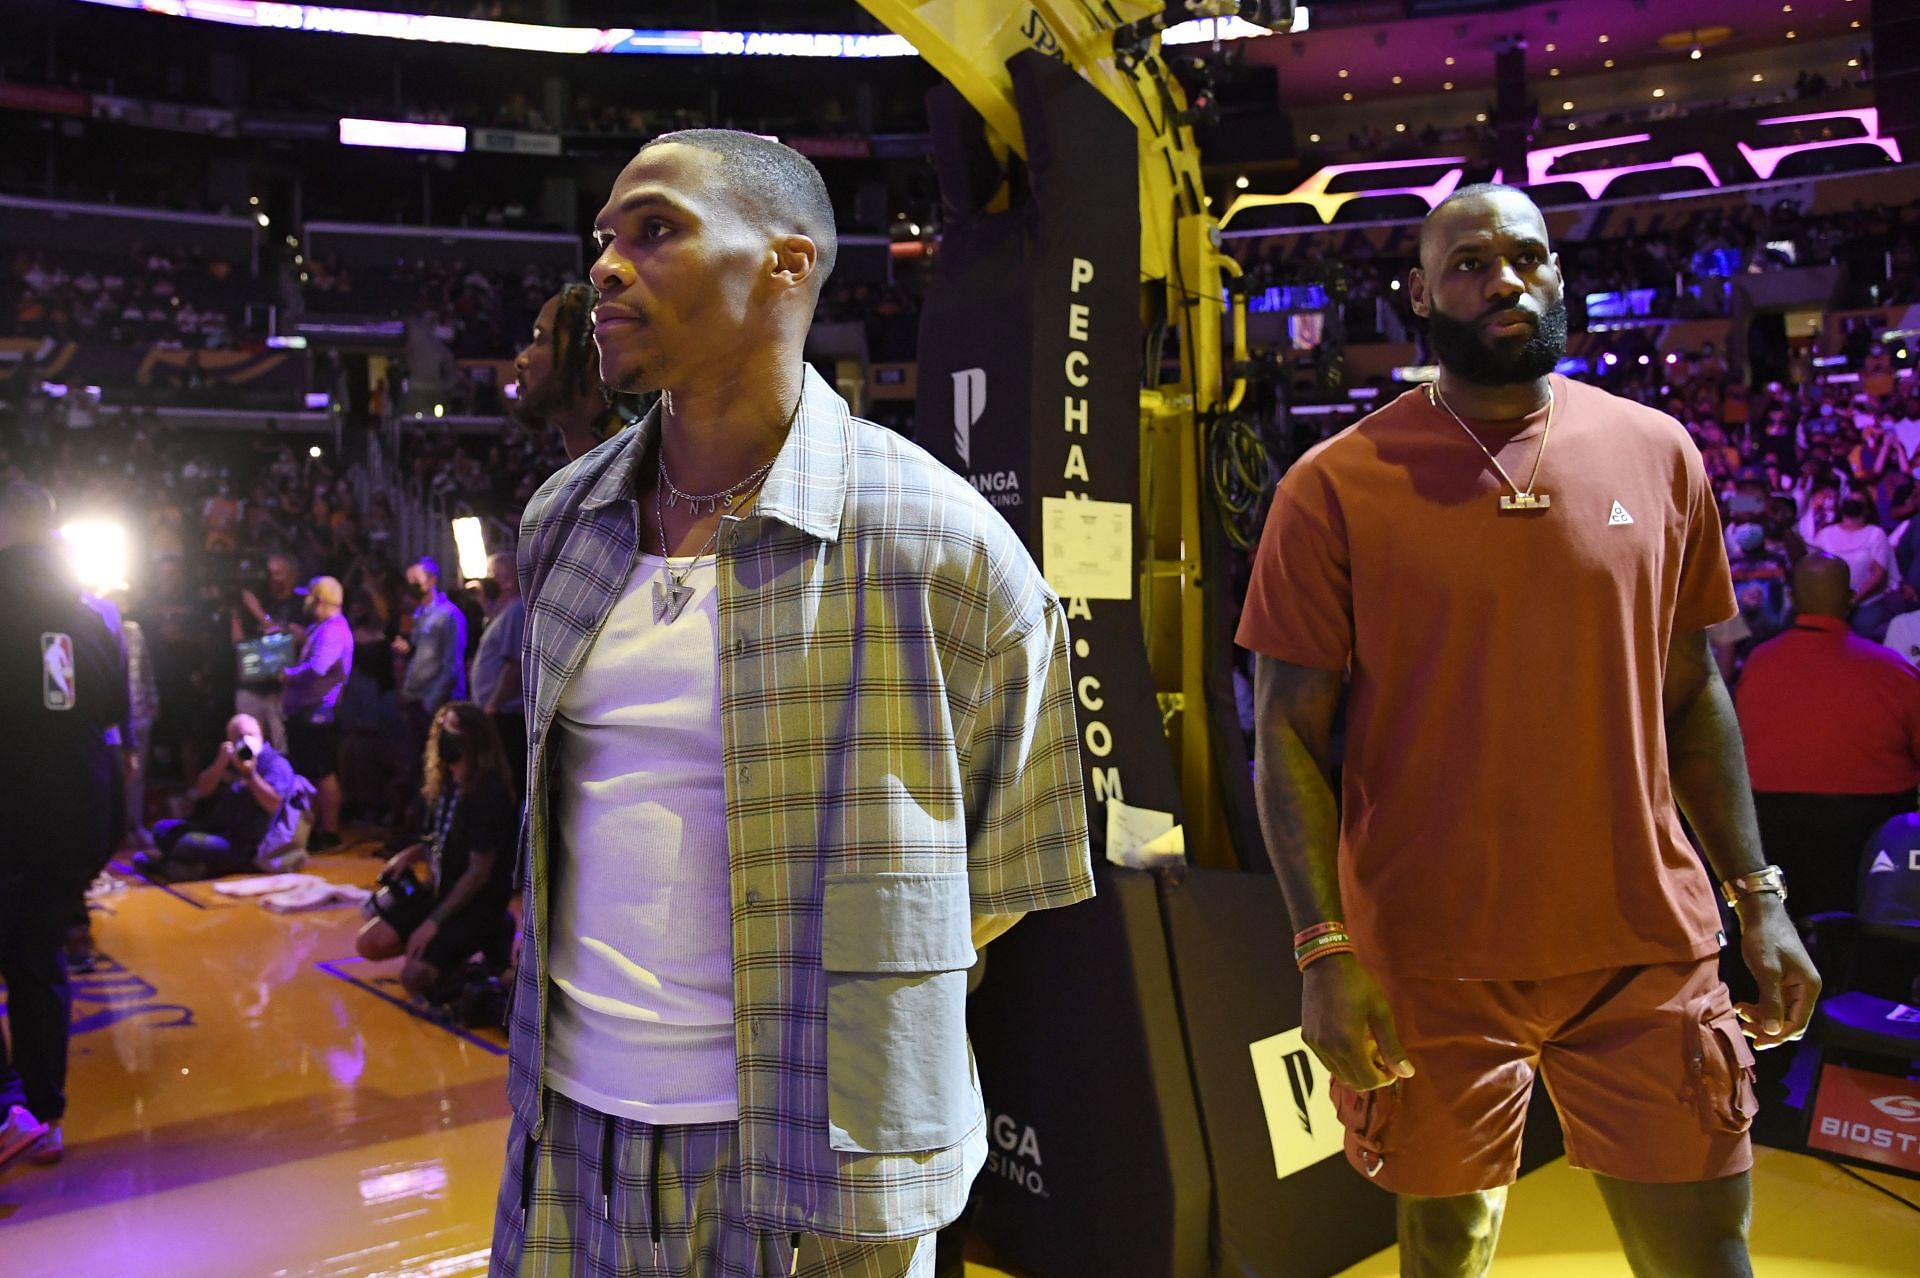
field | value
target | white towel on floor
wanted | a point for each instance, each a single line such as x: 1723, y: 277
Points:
x: 265, y: 884
x: 318, y: 895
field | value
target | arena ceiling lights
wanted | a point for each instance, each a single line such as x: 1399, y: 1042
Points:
x: 532, y: 38
x: 402, y: 135
x: 1419, y: 177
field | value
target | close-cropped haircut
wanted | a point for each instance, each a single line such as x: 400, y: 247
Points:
x: 773, y: 185
x: 1467, y: 192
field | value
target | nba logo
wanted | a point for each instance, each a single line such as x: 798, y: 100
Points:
x: 56, y: 671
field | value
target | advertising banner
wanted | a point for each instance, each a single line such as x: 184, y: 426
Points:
x: 1874, y: 1117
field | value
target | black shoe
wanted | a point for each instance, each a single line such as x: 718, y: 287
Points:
x: 322, y: 841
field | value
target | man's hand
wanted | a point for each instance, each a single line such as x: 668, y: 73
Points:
x: 245, y: 767
x: 1346, y: 1021
x: 401, y: 648
x: 225, y: 758
x: 417, y: 943
x: 1788, y: 983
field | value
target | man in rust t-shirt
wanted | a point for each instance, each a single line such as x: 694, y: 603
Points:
x: 1514, y: 573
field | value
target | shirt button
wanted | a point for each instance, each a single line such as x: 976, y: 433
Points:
x: 753, y: 896
x: 744, y: 773
x: 739, y: 644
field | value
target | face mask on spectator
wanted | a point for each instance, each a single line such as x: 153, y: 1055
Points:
x: 451, y: 750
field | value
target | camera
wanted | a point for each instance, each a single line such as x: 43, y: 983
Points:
x: 243, y: 752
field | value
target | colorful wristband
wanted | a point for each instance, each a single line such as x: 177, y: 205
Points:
x: 1319, y: 943
x: 1307, y: 960
x: 1318, y: 929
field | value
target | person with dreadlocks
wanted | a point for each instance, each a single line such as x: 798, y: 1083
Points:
x: 559, y: 377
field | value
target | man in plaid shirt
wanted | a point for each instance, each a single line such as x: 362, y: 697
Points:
x: 802, y: 740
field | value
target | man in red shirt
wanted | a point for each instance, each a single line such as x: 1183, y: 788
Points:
x: 1516, y: 573
x: 1832, y: 726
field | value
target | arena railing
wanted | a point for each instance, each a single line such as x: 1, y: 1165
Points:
x: 373, y: 244
x: 71, y: 226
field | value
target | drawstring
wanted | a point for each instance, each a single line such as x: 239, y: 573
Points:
x: 606, y: 1168
x: 653, y: 1195
x: 794, y: 1268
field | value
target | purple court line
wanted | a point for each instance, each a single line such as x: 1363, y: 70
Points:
x: 332, y: 968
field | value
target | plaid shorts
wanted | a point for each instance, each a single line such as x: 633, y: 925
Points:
x: 604, y: 1197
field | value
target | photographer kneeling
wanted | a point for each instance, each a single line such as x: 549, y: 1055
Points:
x: 241, y: 796
x: 472, y: 822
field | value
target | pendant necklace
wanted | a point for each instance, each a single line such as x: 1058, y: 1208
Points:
x: 1520, y: 498
x: 671, y: 593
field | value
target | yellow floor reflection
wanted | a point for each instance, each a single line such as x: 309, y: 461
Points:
x: 250, y: 1102
x: 1811, y: 1220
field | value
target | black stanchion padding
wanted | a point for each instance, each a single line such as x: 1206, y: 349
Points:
x: 1095, y: 1166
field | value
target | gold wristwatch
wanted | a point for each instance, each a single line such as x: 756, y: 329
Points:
x: 1768, y: 878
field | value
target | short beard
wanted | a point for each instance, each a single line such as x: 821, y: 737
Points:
x: 1461, y: 350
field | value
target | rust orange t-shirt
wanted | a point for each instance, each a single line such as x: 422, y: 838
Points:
x: 1507, y: 809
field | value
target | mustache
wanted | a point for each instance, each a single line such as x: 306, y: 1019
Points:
x: 1514, y: 309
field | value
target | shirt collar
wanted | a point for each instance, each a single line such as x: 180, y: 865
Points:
x: 807, y: 487
x: 1816, y: 621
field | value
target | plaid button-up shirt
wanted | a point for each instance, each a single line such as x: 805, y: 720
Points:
x: 901, y: 753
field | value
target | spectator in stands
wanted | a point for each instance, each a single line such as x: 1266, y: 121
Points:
x: 1869, y: 558
x: 435, y: 652
x: 279, y: 612
x: 468, y: 845
x: 495, y: 678
x: 62, y: 684
x: 1906, y: 428
x: 1832, y: 727
x: 220, y: 519
x: 310, y: 702
x: 240, y: 799
x: 1760, y: 569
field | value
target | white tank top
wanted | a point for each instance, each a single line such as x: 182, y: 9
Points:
x: 640, y: 1013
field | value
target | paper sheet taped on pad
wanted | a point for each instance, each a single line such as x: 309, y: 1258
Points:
x: 1086, y: 547
x: 1293, y: 1090
x: 1143, y: 838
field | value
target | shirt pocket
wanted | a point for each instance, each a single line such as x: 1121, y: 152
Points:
x: 895, y: 949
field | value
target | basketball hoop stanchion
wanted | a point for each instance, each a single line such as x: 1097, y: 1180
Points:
x: 1116, y: 48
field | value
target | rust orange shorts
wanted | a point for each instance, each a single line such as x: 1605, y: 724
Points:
x: 1647, y: 1067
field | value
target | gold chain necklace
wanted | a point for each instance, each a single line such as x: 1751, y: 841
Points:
x: 1520, y: 498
